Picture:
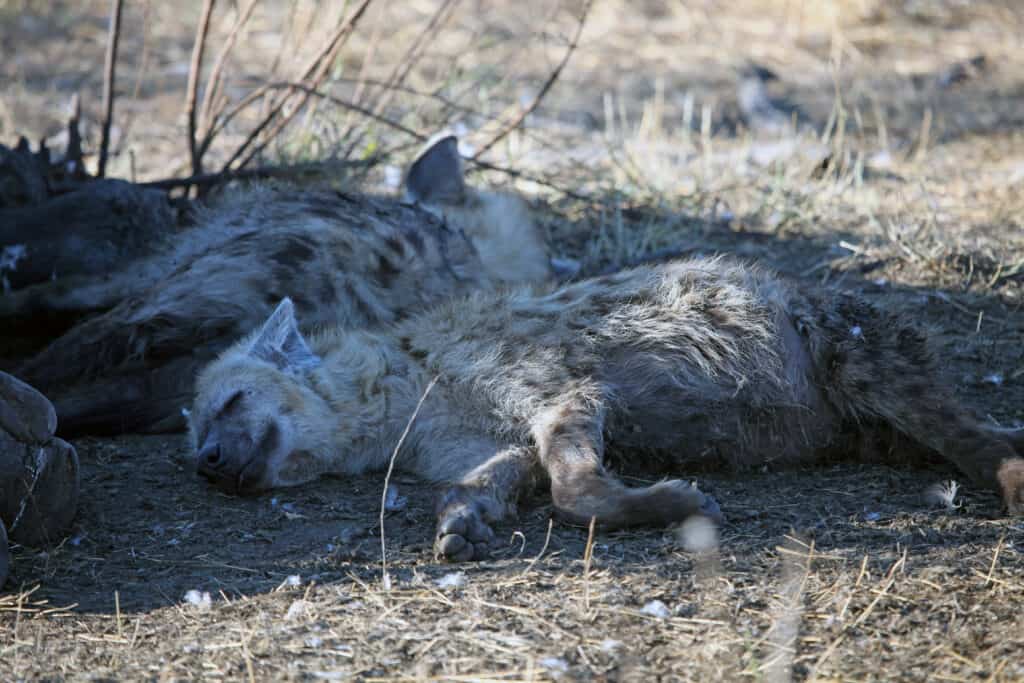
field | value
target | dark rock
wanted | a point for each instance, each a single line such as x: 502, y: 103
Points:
x: 24, y: 412
x: 39, y: 487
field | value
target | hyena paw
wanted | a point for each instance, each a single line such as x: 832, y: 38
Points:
x: 681, y: 499
x: 1011, y: 480
x: 462, y: 533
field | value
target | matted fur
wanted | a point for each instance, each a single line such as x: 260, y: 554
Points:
x: 695, y: 358
x: 344, y: 259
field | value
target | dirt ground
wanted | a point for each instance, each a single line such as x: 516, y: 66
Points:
x: 910, y: 190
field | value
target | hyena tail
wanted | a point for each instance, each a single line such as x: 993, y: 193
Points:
x: 874, y: 367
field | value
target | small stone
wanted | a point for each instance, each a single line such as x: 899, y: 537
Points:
x: 556, y: 666
x: 453, y: 580
x: 199, y: 599
x: 698, y: 534
x: 656, y: 608
x: 995, y: 379
x: 297, y: 610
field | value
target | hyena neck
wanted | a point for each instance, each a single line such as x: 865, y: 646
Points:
x: 372, y: 388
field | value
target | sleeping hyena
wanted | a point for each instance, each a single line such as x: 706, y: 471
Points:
x: 691, y: 358
x: 344, y: 259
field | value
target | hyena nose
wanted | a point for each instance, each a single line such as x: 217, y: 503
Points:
x: 210, y: 460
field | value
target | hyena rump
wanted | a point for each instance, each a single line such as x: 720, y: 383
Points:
x: 691, y: 358
x: 344, y: 259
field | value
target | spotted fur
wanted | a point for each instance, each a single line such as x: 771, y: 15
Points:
x: 694, y: 359
x: 344, y: 259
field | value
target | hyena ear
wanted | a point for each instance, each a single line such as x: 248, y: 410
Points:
x: 280, y: 342
x: 436, y: 175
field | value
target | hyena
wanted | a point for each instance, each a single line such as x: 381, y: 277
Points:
x: 688, y: 360
x: 344, y: 259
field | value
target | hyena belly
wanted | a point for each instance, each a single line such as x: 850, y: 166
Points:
x: 704, y: 418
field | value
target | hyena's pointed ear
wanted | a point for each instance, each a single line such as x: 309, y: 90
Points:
x: 436, y: 175
x: 280, y: 342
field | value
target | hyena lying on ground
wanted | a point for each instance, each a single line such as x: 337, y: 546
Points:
x: 344, y: 259
x: 692, y: 359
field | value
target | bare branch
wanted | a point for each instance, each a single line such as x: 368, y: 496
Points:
x: 544, y: 89
x: 108, y: 83
x: 421, y: 137
x: 213, y: 81
x: 193, y: 83
x: 352, y: 106
x: 312, y: 76
x: 404, y: 65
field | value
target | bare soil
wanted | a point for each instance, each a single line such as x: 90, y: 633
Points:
x: 844, y: 571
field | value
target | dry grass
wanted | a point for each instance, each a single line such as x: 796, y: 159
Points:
x: 839, y: 572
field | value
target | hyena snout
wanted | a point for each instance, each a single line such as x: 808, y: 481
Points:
x: 232, y: 467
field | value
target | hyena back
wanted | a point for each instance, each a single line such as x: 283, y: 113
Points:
x: 344, y: 259
x: 691, y: 358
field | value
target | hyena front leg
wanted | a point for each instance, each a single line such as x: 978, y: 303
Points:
x: 570, y: 446
x: 485, y: 495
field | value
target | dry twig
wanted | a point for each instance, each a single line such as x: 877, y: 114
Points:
x: 214, y: 80
x: 514, y: 123
x: 313, y: 76
x: 193, y: 84
x: 387, y: 480
x: 109, y: 72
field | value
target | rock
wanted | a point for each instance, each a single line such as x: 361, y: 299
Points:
x: 38, y: 489
x: 24, y: 412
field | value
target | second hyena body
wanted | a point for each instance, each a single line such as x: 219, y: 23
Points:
x: 344, y: 259
x: 690, y: 359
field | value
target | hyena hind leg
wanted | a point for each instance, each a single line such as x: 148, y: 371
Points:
x: 885, y: 371
x: 570, y: 447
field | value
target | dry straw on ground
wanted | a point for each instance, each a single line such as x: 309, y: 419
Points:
x: 907, y: 188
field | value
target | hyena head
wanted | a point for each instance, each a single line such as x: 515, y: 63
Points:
x: 499, y: 224
x: 257, y: 422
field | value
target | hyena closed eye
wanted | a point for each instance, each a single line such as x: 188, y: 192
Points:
x: 690, y: 358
